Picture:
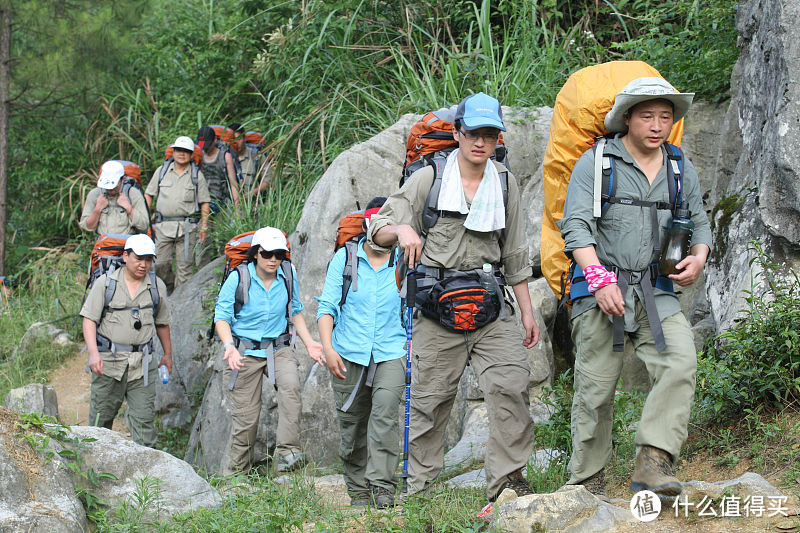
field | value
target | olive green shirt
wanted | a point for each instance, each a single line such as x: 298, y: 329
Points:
x: 449, y: 243
x: 113, y: 218
x: 175, y: 197
x: 118, y: 325
x: 622, y: 237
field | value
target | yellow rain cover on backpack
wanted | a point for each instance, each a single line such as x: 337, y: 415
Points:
x: 578, y: 114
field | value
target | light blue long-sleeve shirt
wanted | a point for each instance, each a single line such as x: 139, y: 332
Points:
x: 368, y: 324
x: 263, y: 318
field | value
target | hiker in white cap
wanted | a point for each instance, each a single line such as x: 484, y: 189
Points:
x: 122, y: 315
x: 109, y: 210
x: 625, y: 292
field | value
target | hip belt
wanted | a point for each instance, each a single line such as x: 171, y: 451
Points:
x: 186, y: 221
x: 287, y: 339
x: 104, y: 344
x: 368, y: 382
x: 644, y: 279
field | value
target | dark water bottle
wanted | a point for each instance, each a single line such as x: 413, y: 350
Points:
x: 677, y: 242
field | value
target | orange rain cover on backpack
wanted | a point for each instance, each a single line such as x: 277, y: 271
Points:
x: 131, y: 170
x: 197, y: 154
x: 236, y: 249
x: 431, y: 134
x: 108, y: 247
x: 254, y: 137
x: 578, y: 114
x: 350, y: 226
x: 223, y: 133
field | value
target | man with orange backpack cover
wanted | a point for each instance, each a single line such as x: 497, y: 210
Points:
x: 620, y: 288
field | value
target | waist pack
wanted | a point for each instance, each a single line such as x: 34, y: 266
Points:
x: 459, y: 303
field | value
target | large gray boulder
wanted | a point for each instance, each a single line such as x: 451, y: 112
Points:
x: 175, y: 486
x: 37, y: 494
x: 33, y: 398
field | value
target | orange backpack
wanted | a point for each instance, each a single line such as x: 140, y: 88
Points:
x: 106, y: 255
x: 197, y: 154
x: 133, y: 180
x: 431, y: 140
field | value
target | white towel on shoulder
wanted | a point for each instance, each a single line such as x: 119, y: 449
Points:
x: 487, y: 211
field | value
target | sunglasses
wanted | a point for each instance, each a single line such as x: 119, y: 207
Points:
x: 280, y: 255
x: 137, y: 324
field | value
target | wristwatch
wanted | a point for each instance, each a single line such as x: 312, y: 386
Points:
x: 228, y: 344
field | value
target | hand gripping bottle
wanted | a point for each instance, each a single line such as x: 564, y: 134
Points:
x: 163, y: 374
x: 677, y: 242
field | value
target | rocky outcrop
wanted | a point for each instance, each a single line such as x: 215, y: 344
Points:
x: 33, y: 398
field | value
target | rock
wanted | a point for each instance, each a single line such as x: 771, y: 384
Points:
x: 320, y: 424
x: 44, y: 330
x: 748, y: 484
x: 179, y: 490
x: 571, y: 509
x: 472, y: 446
x: 540, y: 460
x: 33, y: 398
x: 543, y: 299
x: 37, y: 494
x: 474, y: 479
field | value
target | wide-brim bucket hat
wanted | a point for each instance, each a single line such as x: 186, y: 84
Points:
x: 641, y: 90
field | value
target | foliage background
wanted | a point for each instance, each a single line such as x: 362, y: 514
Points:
x: 93, y: 81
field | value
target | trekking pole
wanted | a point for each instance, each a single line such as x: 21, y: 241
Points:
x: 411, y: 293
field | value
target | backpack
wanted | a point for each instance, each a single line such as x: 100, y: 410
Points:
x: 429, y: 143
x: 577, y: 126
x: 431, y: 140
x: 254, y: 143
x: 235, y: 254
x: 225, y: 137
x: 133, y: 180
x: 349, y: 235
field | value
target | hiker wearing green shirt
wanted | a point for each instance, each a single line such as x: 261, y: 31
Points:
x: 624, y: 294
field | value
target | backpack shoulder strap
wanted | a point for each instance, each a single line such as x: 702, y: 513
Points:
x: 350, y: 271
x: 674, y: 174
x: 288, y: 278
x: 110, y: 289
x: 430, y: 213
x: 164, y: 169
x: 154, y: 296
x: 242, y: 288
x: 195, y: 171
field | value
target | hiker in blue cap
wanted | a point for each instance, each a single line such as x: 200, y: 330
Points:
x: 478, y: 224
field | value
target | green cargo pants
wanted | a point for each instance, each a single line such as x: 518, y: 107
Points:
x: 106, y: 398
x: 665, y: 415
x: 370, y: 430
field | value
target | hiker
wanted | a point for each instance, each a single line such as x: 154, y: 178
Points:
x: 123, y: 313
x: 252, y: 164
x: 474, y: 228
x: 364, y: 344
x: 626, y: 295
x: 108, y: 210
x: 182, y: 210
x: 257, y: 339
x: 218, y: 168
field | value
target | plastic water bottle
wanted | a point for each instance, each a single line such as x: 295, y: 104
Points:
x: 163, y: 373
x: 487, y: 280
x: 677, y: 242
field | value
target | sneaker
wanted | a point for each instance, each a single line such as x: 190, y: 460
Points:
x: 291, y: 461
x: 516, y: 482
x: 596, y: 485
x: 381, y: 497
x: 360, y: 499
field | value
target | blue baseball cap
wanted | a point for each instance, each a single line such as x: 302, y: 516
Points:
x: 480, y: 111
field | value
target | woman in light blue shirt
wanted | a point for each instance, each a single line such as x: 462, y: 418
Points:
x: 257, y: 313
x: 364, y: 344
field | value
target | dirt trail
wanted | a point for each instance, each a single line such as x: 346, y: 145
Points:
x: 72, y: 385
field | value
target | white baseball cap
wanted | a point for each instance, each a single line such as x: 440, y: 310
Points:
x: 641, y: 90
x: 269, y: 239
x: 183, y: 142
x: 110, y: 174
x: 141, y: 245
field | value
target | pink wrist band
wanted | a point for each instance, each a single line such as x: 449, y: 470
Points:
x: 598, y: 277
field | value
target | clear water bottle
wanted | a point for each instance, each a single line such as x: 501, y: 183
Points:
x: 487, y: 280
x: 677, y: 242
x: 163, y: 374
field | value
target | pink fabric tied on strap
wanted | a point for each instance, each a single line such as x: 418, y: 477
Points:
x: 598, y: 277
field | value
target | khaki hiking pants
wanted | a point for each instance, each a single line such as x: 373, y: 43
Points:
x: 665, y: 415
x: 501, y: 365
x: 246, y: 405
x: 167, y: 246
x: 106, y: 398
x: 370, y: 430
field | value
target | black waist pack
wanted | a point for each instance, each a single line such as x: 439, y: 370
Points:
x: 459, y: 303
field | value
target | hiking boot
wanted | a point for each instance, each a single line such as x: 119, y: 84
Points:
x: 381, y: 497
x: 596, y: 484
x: 360, y: 499
x: 516, y: 482
x: 654, y: 472
x: 291, y: 461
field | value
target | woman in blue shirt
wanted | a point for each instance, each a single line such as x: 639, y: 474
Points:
x: 258, y: 341
x: 364, y: 344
